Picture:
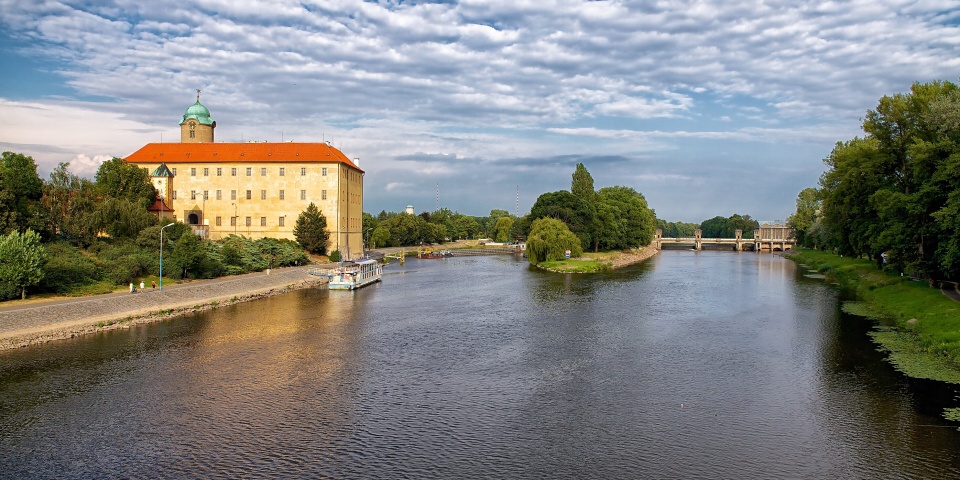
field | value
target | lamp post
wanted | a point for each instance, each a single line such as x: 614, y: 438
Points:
x: 161, y: 253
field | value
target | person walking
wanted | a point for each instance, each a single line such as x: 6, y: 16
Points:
x: 131, y: 287
x: 142, y: 286
x: 153, y: 284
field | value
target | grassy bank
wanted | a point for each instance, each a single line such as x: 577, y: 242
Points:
x: 921, y: 326
x: 592, y: 262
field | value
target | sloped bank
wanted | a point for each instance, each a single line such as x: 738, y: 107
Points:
x: 44, y: 323
x: 918, y: 327
x: 921, y: 330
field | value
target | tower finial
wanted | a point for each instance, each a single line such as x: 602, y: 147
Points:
x: 198, y: 95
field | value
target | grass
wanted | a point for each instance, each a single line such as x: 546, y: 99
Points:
x: 575, y: 266
x: 924, y: 340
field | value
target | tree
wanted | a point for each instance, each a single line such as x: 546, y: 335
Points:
x: 118, y: 179
x: 716, y: 227
x: 571, y: 210
x: 21, y: 261
x: 311, y: 230
x: 626, y: 216
x: 501, y: 231
x: 581, y: 186
x: 806, y: 215
x: 549, y: 240
x: 20, y: 192
x: 188, y: 256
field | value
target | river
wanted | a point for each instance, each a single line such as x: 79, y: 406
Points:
x: 691, y: 365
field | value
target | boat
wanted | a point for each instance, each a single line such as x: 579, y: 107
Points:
x: 351, y: 275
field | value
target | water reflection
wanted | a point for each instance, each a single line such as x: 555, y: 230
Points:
x: 694, y: 364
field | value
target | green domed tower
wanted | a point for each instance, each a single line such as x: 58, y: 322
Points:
x: 197, y: 126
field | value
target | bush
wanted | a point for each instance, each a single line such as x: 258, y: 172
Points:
x: 67, y: 269
x: 334, y: 256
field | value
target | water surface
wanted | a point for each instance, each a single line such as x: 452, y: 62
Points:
x: 693, y: 365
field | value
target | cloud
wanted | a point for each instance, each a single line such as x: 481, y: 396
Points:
x: 479, y: 89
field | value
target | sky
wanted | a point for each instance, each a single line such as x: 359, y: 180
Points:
x: 705, y: 107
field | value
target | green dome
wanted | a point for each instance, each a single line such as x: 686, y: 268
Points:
x: 199, y: 113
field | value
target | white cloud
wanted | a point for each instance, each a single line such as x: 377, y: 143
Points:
x: 482, y: 79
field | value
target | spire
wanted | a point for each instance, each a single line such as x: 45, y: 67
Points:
x: 198, y: 95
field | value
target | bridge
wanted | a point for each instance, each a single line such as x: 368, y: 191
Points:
x: 769, y: 237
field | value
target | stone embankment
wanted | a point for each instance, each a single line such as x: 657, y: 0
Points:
x: 44, y: 321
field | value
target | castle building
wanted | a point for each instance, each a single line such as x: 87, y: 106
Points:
x: 254, y: 189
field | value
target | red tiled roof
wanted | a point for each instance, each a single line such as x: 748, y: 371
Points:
x: 159, y: 206
x: 286, y: 152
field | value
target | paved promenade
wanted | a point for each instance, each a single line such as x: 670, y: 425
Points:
x: 63, y: 318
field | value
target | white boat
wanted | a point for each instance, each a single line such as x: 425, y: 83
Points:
x: 355, y: 274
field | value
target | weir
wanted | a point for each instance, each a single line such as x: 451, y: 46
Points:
x: 768, y: 237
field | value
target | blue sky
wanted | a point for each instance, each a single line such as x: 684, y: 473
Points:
x: 706, y: 107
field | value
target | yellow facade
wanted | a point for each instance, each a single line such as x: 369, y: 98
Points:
x: 256, y: 189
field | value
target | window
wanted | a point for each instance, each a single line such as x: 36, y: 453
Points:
x: 282, y: 171
x: 263, y: 172
x: 193, y: 172
x: 219, y: 194
x: 249, y: 194
x: 233, y: 221
x: 218, y: 221
x: 303, y: 171
x: 323, y: 195
x: 193, y: 194
x: 280, y: 221
x: 206, y: 194
x: 248, y: 221
x: 233, y: 172
x: 249, y: 171
x: 263, y: 221
x: 323, y: 171
x: 174, y: 171
x: 206, y: 172
x: 281, y: 195
x: 193, y: 134
x: 303, y: 194
x: 233, y: 194
x: 174, y: 195
x: 219, y: 171
x: 263, y: 194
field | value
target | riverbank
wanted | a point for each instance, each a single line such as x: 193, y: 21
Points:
x: 919, y: 326
x: 600, y: 261
x: 44, y: 321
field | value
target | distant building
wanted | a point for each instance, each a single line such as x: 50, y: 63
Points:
x: 409, y: 209
x: 255, y: 189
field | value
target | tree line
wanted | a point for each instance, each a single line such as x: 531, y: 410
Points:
x: 716, y: 227
x: 893, y: 194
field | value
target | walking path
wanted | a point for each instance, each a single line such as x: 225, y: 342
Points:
x: 40, y: 322
x: 953, y: 293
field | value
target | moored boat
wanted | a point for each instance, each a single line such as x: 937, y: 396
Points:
x: 351, y: 275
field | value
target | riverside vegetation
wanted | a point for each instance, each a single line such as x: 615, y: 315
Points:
x: 918, y: 327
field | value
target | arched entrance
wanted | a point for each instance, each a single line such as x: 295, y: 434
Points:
x: 193, y: 219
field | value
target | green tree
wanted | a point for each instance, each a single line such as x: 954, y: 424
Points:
x: 20, y: 192
x: 716, y: 227
x: 380, y: 237
x: 806, y: 215
x: 628, y: 218
x: 188, y: 256
x: 549, y: 240
x: 119, y: 179
x: 501, y: 232
x: 581, y: 186
x: 311, y: 230
x: 571, y: 210
x: 22, y: 258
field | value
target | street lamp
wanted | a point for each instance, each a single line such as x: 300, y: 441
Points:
x: 161, y: 253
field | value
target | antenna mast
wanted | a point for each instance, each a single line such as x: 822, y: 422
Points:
x: 438, y: 197
x: 516, y: 211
